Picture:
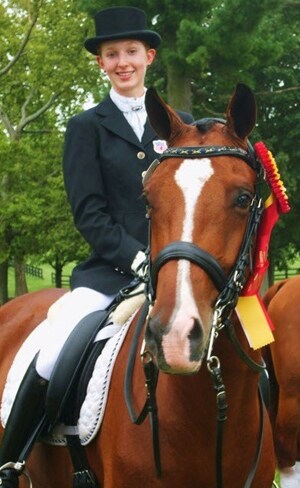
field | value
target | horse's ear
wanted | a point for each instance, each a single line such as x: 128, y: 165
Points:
x: 162, y: 117
x: 241, y: 111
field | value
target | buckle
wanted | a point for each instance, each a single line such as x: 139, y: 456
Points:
x: 18, y: 466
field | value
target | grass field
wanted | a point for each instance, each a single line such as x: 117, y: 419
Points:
x: 277, y: 481
x: 35, y: 283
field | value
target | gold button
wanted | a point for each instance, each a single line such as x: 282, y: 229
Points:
x: 141, y: 155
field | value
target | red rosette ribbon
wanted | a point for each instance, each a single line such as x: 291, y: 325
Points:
x: 276, y: 204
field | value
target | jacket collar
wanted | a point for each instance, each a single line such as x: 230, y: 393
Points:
x: 113, y: 119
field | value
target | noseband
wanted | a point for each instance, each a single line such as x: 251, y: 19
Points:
x: 228, y: 286
x: 194, y: 254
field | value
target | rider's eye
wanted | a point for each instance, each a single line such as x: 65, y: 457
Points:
x: 244, y: 200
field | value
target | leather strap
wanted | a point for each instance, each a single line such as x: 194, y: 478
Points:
x: 209, y: 151
x: 191, y: 252
x: 136, y: 419
x: 83, y: 477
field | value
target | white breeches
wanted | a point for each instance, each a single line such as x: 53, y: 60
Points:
x: 62, y: 318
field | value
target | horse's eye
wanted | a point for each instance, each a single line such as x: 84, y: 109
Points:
x: 244, y: 200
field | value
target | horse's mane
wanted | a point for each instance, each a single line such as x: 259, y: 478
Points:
x: 204, y: 125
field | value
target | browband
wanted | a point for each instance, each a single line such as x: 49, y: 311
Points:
x: 202, y: 151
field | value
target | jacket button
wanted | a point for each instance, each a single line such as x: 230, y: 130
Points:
x: 141, y: 155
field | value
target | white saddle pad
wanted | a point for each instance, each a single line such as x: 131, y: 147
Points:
x: 92, y: 410
x: 93, y: 407
x: 19, y: 367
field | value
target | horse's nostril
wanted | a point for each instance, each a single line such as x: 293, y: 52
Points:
x: 195, y: 337
x: 196, y: 331
x: 153, y: 334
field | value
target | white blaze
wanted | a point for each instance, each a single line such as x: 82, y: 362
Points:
x: 191, y: 177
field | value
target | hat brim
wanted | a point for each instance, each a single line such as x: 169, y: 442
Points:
x: 150, y: 37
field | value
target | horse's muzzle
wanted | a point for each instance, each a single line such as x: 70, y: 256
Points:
x: 176, y: 350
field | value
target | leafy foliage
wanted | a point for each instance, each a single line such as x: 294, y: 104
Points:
x: 46, y: 76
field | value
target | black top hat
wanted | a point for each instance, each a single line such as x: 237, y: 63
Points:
x: 121, y: 23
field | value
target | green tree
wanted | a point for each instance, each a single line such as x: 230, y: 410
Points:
x: 205, y: 45
x: 45, y: 76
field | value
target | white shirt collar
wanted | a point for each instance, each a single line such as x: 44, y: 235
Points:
x: 128, y: 104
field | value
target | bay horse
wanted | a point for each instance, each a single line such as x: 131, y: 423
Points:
x: 213, y: 430
x: 282, y: 301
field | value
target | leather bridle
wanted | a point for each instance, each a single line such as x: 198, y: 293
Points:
x: 229, y: 288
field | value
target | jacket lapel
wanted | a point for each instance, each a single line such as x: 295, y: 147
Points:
x: 149, y: 134
x: 113, y: 119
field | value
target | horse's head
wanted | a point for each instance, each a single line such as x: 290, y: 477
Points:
x: 199, y: 203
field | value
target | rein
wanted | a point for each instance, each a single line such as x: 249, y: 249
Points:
x: 229, y: 290
x: 151, y: 378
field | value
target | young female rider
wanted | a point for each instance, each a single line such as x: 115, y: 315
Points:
x: 106, y: 150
